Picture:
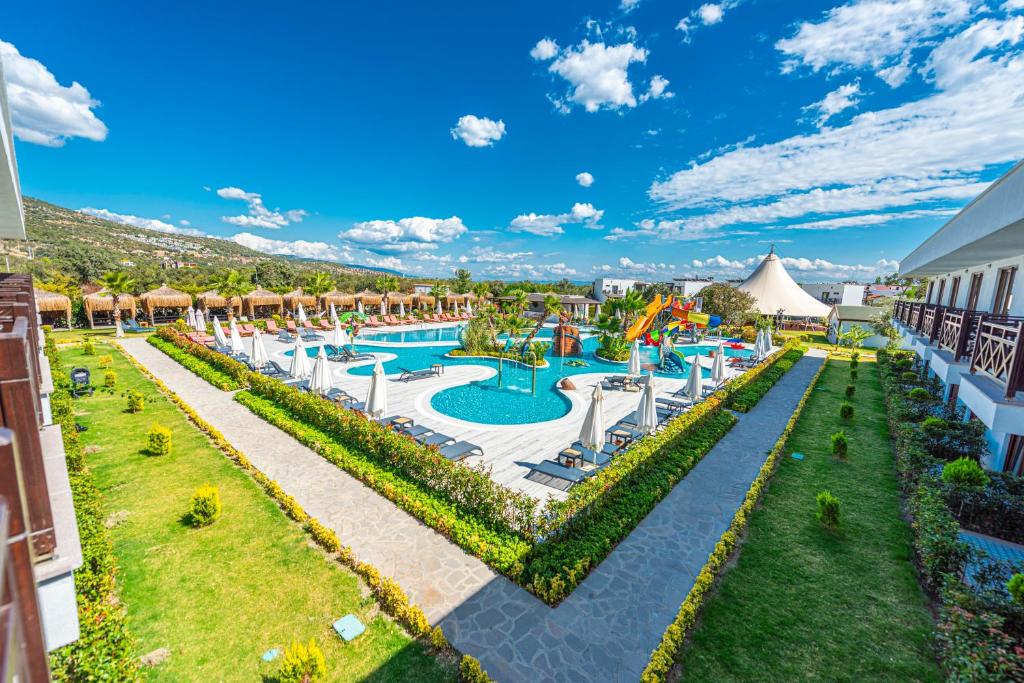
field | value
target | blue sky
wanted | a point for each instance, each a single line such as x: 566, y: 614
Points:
x: 544, y: 140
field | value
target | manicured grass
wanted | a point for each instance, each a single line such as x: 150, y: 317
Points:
x: 802, y: 603
x: 221, y: 596
x: 65, y: 336
x: 818, y: 340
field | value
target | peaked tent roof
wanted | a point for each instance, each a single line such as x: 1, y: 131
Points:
x: 775, y: 290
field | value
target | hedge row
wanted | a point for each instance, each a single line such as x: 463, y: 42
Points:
x: 190, y: 362
x: 667, y: 652
x: 742, y: 400
x: 104, y: 649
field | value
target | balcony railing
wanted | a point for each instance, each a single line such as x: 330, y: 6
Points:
x: 959, y: 331
x: 999, y: 352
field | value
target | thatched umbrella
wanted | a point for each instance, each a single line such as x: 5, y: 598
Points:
x: 424, y: 300
x: 454, y: 300
x: 52, y: 302
x: 295, y: 297
x: 262, y: 298
x: 369, y: 299
x: 103, y: 302
x: 211, y: 300
x: 164, y: 298
x: 341, y: 301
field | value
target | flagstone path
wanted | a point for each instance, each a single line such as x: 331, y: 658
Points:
x: 605, y: 630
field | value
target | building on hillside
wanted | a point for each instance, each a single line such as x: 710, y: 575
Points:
x: 614, y: 287
x: 39, y: 543
x: 422, y: 288
x: 877, y: 290
x: 970, y: 327
x: 580, y: 307
x: 688, y: 286
x: 830, y: 293
x: 843, y: 317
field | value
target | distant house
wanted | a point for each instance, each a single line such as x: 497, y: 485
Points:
x: 842, y: 293
x: 876, y: 292
x: 614, y: 287
x: 422, y: 288
x: 842, y: 318
x: 689, y: 286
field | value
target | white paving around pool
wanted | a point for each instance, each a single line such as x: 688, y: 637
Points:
x: 508, y: 449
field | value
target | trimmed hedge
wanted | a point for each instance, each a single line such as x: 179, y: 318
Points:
x: 194, y: 364
x: 744, y: 399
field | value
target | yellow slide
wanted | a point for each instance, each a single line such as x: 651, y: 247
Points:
x: 643, y: 323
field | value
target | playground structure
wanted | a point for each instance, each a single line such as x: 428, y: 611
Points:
x: 566, y: 339
x: 662, y: 319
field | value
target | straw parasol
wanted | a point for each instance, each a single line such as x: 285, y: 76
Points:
x: 261, y: 298
x: 424, y: 300
x: 295, y: 297
x: 102, y: 302
x: 52, y: 302
x: 211, y: 299
x: 367, y: 298
x: 164, y: 297
x: 346, y: 302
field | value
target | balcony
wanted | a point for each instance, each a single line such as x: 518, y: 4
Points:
x: 999, y: 353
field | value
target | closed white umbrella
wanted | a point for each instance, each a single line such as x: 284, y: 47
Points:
x: 767, y: 341
x: 236, y: 338
x: 320, y: 379
x: 301, y: 314
x: 455, y: 308
x: 646, y: 415
x: 597, y: 310
x: 299, y: 368
x: 190, y: 319
x: 218, y: 333
x: 695, y: 382
x: 401, y: 309
x: 359, y: 307
x: 377, y: 396
x: 438, y: 307
x: 333, y: 313
x: 469, y: 307
x: 718, y: 366
x: 200, y: 321
x: 592, y: 433
x: 634, y: 360
x: 119, y: 332
x: 259, y: 356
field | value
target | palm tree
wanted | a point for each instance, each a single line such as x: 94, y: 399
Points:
x: 318, y: 284
x: 117, y: 283
x: 386, y: 284
x: 439, y: 291
x: 490, y: 313
x: 518, y: 300
x: 229, y: 285
x: 552, y: 306
x: 855, y: 336
x: 481, y: 290
x: 631, y: 304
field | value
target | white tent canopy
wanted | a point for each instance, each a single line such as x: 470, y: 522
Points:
x: 776, y: 291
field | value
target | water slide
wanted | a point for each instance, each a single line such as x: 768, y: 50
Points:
x: 644, y: 322
x: 673, y: 362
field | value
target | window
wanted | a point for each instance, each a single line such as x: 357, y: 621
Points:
x: 931, y: 286
x: 942, y: 288
x: 1014, y: 461
x: 1004, y: 291
x: 954, y: 291
x: 974, y: 291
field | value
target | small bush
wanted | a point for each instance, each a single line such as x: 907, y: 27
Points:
x: 840, y: 446
x: 438, y: 641
x: 106, y: 361
x: 853, y: 362
x: 828, y: 510
x: 470, y: 671
x: 853, y: 374
x: 88, y: 347
x: 784, y: 365
x: 110, y: 379
x: 159, y: 440
x: 302, y: 663
x: 854, y: 356
x: 136, y: 401
x: 204, y: 508
x: 846, y: 410
x: 1015, y: 586
x: 919, y: 394
x: 850, y: 390
x: 964, y: 472
x: 908, y: 376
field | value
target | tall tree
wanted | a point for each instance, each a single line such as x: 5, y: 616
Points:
x: 517, y: 301
x: 552, y: 306
x: 117, y: 283
x: 730, y: 304
x: 439, y: 291
x: 230, y: 284
x: 385, y: 284
x: 631, y: 304
x: 462, y: 282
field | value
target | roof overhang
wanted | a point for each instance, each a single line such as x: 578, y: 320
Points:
x: 988, y: 229
x: 12, y: 214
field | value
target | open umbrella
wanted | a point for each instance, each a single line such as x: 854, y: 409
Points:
x: 236, y: 338
x: 340, y: 337
x: 333, y: 313
x: 218, y: 333
x: 320, y: 379
x: 301, y: 314
x: 377, y: 396
x: 695, y: 382
x: 634, y: 360
x: 646, y: 415
x: 259, y: 356
x: 299, y: 369
x: 190, y: 319
x: 119, y: 332
x: 352, y: 315
x: 592, y: 433
x: 718, y: 366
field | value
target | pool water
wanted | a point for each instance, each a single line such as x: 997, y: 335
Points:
x: 432, y: 335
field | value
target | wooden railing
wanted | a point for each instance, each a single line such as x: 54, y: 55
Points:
x: 959, y: 331
x: 931, y: 322
x: 999, y: 352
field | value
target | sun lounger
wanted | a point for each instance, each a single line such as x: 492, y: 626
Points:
x: 271, y: 369
x: 132, y: 326
x: 408, y: 375
x: 435, y: 439
x: 397, y: 421
x: 310, y: 334
x: 676, y: 406
x: 272, y: 327
x: 390, y: 320
x: 372, y: 321
x: 416, y: 431
x: 411, y: 320
x: 461, y: 450
x: 556, y: 471
x: 339, y: 395
x: 587, y: 455
x: 283, y: 336
x: 290, y: 324
x: 622, y: 434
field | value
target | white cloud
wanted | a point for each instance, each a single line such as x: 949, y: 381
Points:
x: 629, y: 265
x: 184, y: 222
x: 259, y: 215
x: 801, y: 268
x: 868, y: 219
x: 544, y: 50
x: 490, y: 255
x: 598, y: 75
x: 875, y: 34
x: 478, y: 132
x: 1011, y: 5
x: 657, y: 89
x: 549, y: 225
x: 529, y: 271
x: 843, y: 97
x: 300, y: 248
x: 43, y: 111
x: 140, y: 222
x: 406, y: 234
x: 389, y: 262
x: 630, y: 5
x: 710, y: 13
x: 584, y: 179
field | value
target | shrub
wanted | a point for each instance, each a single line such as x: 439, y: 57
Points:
x: 437, y: 639
x: 854, y: 356
x: 919, y: 394
x: 964, y: 472
x: 89, y: 347
x: 204, y: 507
x: 908, y: 376
x: 974, y: 646
x: 470, y: 671
x: 846, y: 410
x: 853, y: 363
x: 784, y: 365
x: 1015, y: 586
x: 110, y: 379
x: 136, y: 401
x: 828, y: 510
x: 302, y: 663
x: 840, y: 446
x: 159, y: 440
x: 853, y: 374
x: 850, y: 390
x: 106, y: 361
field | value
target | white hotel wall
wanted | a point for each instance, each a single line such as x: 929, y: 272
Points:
x: 987, y: 293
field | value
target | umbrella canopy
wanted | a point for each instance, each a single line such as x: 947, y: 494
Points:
x: 469, y: 307
x: 377, y: 396
x: 592, y: 433
x: 695, y: 382
x: 200, y: 321
x: 299, y: 369
x: 401, y: 309
x: 353, y: 315
x: 190, y: 318
x: 634, y: 360
x: 718, y: 367
x: 218, y: 333
x: 340, y: 338
x: 333, y: 314
x: 236, y: 338
x: 320, y: 380
x: 646, y: 415
x: 301, y: 314
x: 259, y: 356
x: 359, y: 307
x: 119, y: 332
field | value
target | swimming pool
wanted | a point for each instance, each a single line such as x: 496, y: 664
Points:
x: 447, y: 335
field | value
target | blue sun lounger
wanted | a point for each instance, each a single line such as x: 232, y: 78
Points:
x: 460, y: 450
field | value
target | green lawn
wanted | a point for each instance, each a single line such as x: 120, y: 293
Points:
x: 63, y: 335
x: 802, y: 603
x: 818, y: 340
x: 221, y: 596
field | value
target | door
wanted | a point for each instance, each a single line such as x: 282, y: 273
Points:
x: 974, y: 291
x: 942, y: 288
x: 954, y: 291
x: 1004, y: 291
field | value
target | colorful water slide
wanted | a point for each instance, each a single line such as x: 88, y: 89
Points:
x: 643, y: 323
x: 673, y: 362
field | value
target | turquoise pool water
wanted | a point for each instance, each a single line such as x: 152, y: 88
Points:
x: 438, y: 335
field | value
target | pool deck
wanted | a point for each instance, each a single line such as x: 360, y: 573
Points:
x: 508, y: 449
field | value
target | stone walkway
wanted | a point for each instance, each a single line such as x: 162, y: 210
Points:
x: 604, y: 631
